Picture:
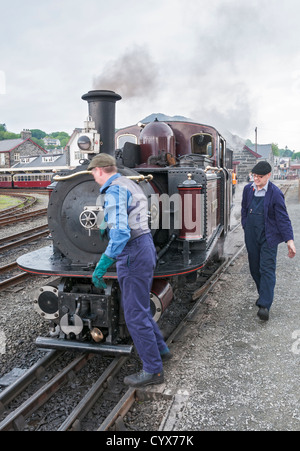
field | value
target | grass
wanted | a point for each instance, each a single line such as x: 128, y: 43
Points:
x: 7, y: 202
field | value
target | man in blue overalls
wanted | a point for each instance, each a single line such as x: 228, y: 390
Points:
x: 131, y: 247
x: 266, y: 224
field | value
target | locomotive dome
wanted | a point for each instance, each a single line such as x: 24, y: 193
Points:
x: 159, y: 136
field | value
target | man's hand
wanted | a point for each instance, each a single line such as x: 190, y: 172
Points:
x: 104, y: 263
x: 291, y: 248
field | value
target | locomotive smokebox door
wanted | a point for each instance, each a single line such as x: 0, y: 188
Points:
x: 75, y: 214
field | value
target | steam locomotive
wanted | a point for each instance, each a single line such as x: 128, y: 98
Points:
x: 184, y: 169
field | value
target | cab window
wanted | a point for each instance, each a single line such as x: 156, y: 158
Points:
x: 201, y: 144
x: 122, y: 139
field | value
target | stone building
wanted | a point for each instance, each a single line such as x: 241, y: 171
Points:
x: 249, y: 156
x: 12, y: 150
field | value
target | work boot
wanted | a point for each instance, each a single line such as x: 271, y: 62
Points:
x: 166, y: 356
x: 263, y: 314
x: 142, y: 378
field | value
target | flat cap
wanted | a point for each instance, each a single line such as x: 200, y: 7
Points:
x: 262, y: 168
x: 102, y: 161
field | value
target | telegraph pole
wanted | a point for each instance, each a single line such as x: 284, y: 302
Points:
x: 256, y: 139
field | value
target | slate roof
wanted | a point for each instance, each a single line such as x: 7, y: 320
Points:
x: 264, y: 150
x: 8, y: 144
x: 38, y: 162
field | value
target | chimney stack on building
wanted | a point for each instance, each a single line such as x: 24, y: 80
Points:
x: 25, y: 134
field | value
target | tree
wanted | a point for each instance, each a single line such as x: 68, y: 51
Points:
x: 40, y: 142
x: 59, y: 135
x: 287, y: 153
x: 296, y: 156
x: 8, y: 135
x: 38, y: 134
x: 275, y: 150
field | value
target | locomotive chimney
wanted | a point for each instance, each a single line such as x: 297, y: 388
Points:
x: 102, y: 110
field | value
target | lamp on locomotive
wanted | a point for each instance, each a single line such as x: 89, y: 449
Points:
x: 89, y: 139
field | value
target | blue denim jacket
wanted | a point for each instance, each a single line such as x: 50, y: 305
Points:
x: 116, y: 217
x: 278, y: 227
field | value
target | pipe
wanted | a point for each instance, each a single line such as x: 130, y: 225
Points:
x: 166, y: 247
x: 135, y: 178
x: 102, y: 110
x: 60, y: 344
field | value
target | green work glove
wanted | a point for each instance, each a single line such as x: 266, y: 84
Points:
x: 104, y: 263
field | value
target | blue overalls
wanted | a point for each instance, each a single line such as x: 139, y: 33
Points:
x: 131, y: 245
x: 135, y: 267
x: 262, y: 258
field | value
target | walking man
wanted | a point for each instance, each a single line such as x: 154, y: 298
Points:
x: 266, y: 224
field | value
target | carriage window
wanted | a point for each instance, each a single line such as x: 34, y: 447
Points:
x: 122, y: 139
x: 202, y: 144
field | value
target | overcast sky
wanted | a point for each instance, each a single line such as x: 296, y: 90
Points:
x: 233, y: 64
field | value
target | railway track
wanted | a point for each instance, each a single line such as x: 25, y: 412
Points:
x: 16, y: 419
x: 284, y: 188
x: 21, y: 238
x: 11, y: 279
x: 18, y: 217
x: 26, y: 201
x: 8, y: 271
x: 22, y: 417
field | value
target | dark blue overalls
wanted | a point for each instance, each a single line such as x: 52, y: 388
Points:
x: 262, y: 258
x: 135, y: 268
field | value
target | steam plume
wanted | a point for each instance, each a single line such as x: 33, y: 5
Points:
x: 133, y: 74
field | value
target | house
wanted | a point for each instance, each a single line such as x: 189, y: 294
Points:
x: 48, y: 141
x: 294, y: 170
x: 249, y: 156
x: 12, y: 150
x: 75, y: 154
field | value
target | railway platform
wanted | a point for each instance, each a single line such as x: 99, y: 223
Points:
x: 230, y: 370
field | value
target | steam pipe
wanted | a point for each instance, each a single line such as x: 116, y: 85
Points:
x: 166, y: 247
